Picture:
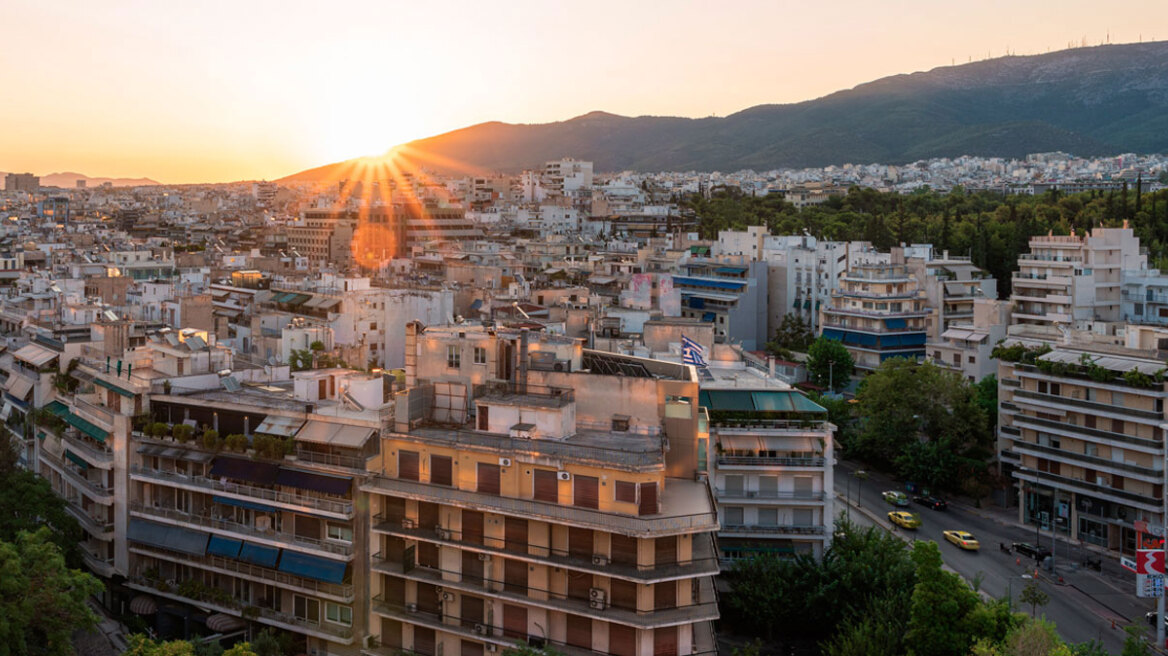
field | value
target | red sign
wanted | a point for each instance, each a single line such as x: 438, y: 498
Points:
x: 1149, y: 561
x: 1141, y: 526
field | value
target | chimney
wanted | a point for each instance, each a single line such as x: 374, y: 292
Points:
x: 523, y: 337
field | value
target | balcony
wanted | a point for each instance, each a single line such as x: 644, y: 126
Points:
x: 772, y: 530
x: 876, y: 314
x: 770, y: 461
x: 703, y: 563
x: 100, y: 529
x: 294, y: 502
x: 342, y: 593
x: 289, y: 622
x: 272, y: 538
x: 103, y: 567
x: 96, y: 491
x: 1149, y: 503
x: 704, y: 609
x: 1100, y: 436
x: 1149, y: 416
x: 769, y: 495
x: 679, y: 493
x: 1044, y: 258
x: 99, y: 456
x: 1146, y: 474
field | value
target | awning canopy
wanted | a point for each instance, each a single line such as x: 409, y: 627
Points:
x: 226, y: 547
x: 110, y: 386
x: 171, y: 452
x: 87, y: 427
x: 321, y: 432
x: 185, y: 540
x: 37, y: 356
x: 224, y: 623
x: 143, y: 605
x: 76, y: 459
x: 240, y: 503
x: 282, y: 426
x: 304, y: 480
x: 18, y: 386
x: 258, y: 554
x: 262, y: 473
x: 312, y: 567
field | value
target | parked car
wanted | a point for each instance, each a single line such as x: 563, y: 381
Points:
x: 896, y: 498
x: 904, y: 519
x: 1027, y: 549
x: 932, y: 502
x: 963, y: 539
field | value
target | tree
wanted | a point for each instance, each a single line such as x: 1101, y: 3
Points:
x: 791, y: 335
x: 1033, y: 638
x: 140, y: 645
x: 829, y: 365
x: 986, y: 394
x: 300, y: 359
x: 524, y: 649
x: 1034, y: 596
x: 42, y: 602
x: 1135, y: 644
x: 316, y: 345
x: 27, y: 503
x: 941, y: 605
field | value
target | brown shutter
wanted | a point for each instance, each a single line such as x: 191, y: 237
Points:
x: 648, y: 499
x: 580, y: 542
x: 484, y: 417
x: 471, y: 648
x: 515, y: 534
x: 580, y: 631
x: 424, y: 640
x: 586, y: 492
x: 514, y: 622
x: 665, y: 641
x: 472, y: 568
x: 666, y: 550
x: 515, y: 576
x: 441, y: 470
x: 579, y: 585
x: 624, y: 594
x: 472, y: 527
x: 665, y: 595
x: 626, y: 492
x: 428, y: 598
x: 547, y: 486
x: 622, y: 640
x: 624, y: 550
x: 393, y: 509
x: 488, y: 478
x: 391, y: 633
x: 428, y: 555
x: 472, y: 611
x: 407, y: 465
x: 427, y: 515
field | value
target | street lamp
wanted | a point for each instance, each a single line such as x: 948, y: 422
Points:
x: 1054, y: 512
x: 861, y: 476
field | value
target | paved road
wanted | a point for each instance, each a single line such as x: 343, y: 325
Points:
x: 1083, y: 607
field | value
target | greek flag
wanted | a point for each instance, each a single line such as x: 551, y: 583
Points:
x: 692, y: 353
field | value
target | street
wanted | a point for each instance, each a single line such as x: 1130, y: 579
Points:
x: 1083, y: 606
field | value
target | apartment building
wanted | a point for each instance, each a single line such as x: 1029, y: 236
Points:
x: 1073, y: 279
x: 535, y: 491
x: 951, y: 284
x: 1144, y: 297
x: 967, y: 346
x: 1082, y: 433
x: 731, y: 296
x: 879, y: 312
x: 772, y: 467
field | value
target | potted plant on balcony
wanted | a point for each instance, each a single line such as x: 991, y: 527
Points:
x: 237, y: 442
x: 211, y: 440
x: 183, y: 433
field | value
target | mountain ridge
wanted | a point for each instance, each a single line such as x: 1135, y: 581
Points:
x: 68, y: 179
x: 1092, y: 101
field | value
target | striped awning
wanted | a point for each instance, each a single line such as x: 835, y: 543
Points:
x: 143, y: 605
x: 224, y: 623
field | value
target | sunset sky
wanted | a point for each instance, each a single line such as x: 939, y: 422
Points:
x: 221, y: 91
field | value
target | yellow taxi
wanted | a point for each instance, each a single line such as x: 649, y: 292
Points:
x: 904, y: 519
x: 963, y: 539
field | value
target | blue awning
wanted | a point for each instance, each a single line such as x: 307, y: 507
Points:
x: 686, y: 281
x: 914, y: 339
x: 864, y: 339
x: 832, y: 333
x: 259, y: 554
x: 186, y: 540
x: 312, y: 567
x: 226, y: 547
x: 895, y: 324
x: 696, y: 302
x: 263, y: 473
x: 708, y: 316
x: 890, y: 340
x: 731, y: 270
x: 239, y: 503
x: 303, y: 480
x: 476, y: 304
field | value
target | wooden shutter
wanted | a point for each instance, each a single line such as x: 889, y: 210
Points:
x: 428, y: 555
x: 472, y: 527
x: 666, y: 550
x: 626, y: 492
x: 624, y: 550
x: 472, y: 611
x: 586, y: 492
x: 488, y: 482
x: 579, y: 585
x: 391, y: 633
x: 665, y: 641
x: 515, y: 534
x: 579, y: 631
x: 515, y: 576
x: 441, y: 470
x: 424, y: 640
x: 393, y: 509
x: 394, y: 589
x: 471, y: 648
x: 648, y: 504
x: 514, y: 622
x: 580, y: 542
x: 428, y: 598
x: 547, y: 486
x: 622, y: 640
x: 665, y: 595
x: 623, y: 594
x: 407, y: 465
x: 427, y: 515
x: 484, y: 417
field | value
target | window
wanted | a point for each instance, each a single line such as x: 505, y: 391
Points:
x: 734, y: 517
x: 480, y: 355
x: 626, y: 492
x: 768, y: 516
x: 338, y: 614
x: 453, y: 356
x: 306, y: 609
x: 340, y: 532
x: 372, y: 325
x: 620, y: 423
x: 441, y: 470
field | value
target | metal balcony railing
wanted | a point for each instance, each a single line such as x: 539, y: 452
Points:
x: 204, y: 521
x: 267, y: 494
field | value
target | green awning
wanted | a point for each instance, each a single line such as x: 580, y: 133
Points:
x: 111, y: 386
x: 76, y: 459
x: 58, y: 408
x: 86, y: 427
x: 41, y: 435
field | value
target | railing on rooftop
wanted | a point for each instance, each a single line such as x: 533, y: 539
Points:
x: 328, y: 505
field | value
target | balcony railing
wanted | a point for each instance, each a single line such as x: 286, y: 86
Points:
x: 341, y: 460
x: 1089, y: 405
x: 760, y: 494
x: 791, y: 529
x: 727, y: 422
x: 344, y: 508
x: 96, y: 527
x: 101, y: 493
x: 771, y: 461
x: 282, y: 539
x: 99, y: 456
x: 1100, y: 435
x: 1149, y: 502
x: 1073, y: 458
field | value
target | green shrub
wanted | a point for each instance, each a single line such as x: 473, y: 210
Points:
x: 159, y: 429
x: 237, y: 442
x: 183, y: 433
x: 211, y: 439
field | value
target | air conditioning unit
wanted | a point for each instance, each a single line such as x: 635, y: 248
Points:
x: 595, y: 594
x: 564, y: 476
x: 600, y: 561
x: 485, y: 557
x: 442, y: 533
x: 491, y: 647
x: 411, y: 607
x: 263, y: 523
x: 408, y: 523
x: 480, y: 629
x: 504, y: 462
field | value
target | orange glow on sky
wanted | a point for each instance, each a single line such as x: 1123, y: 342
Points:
x: 222, y: 91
